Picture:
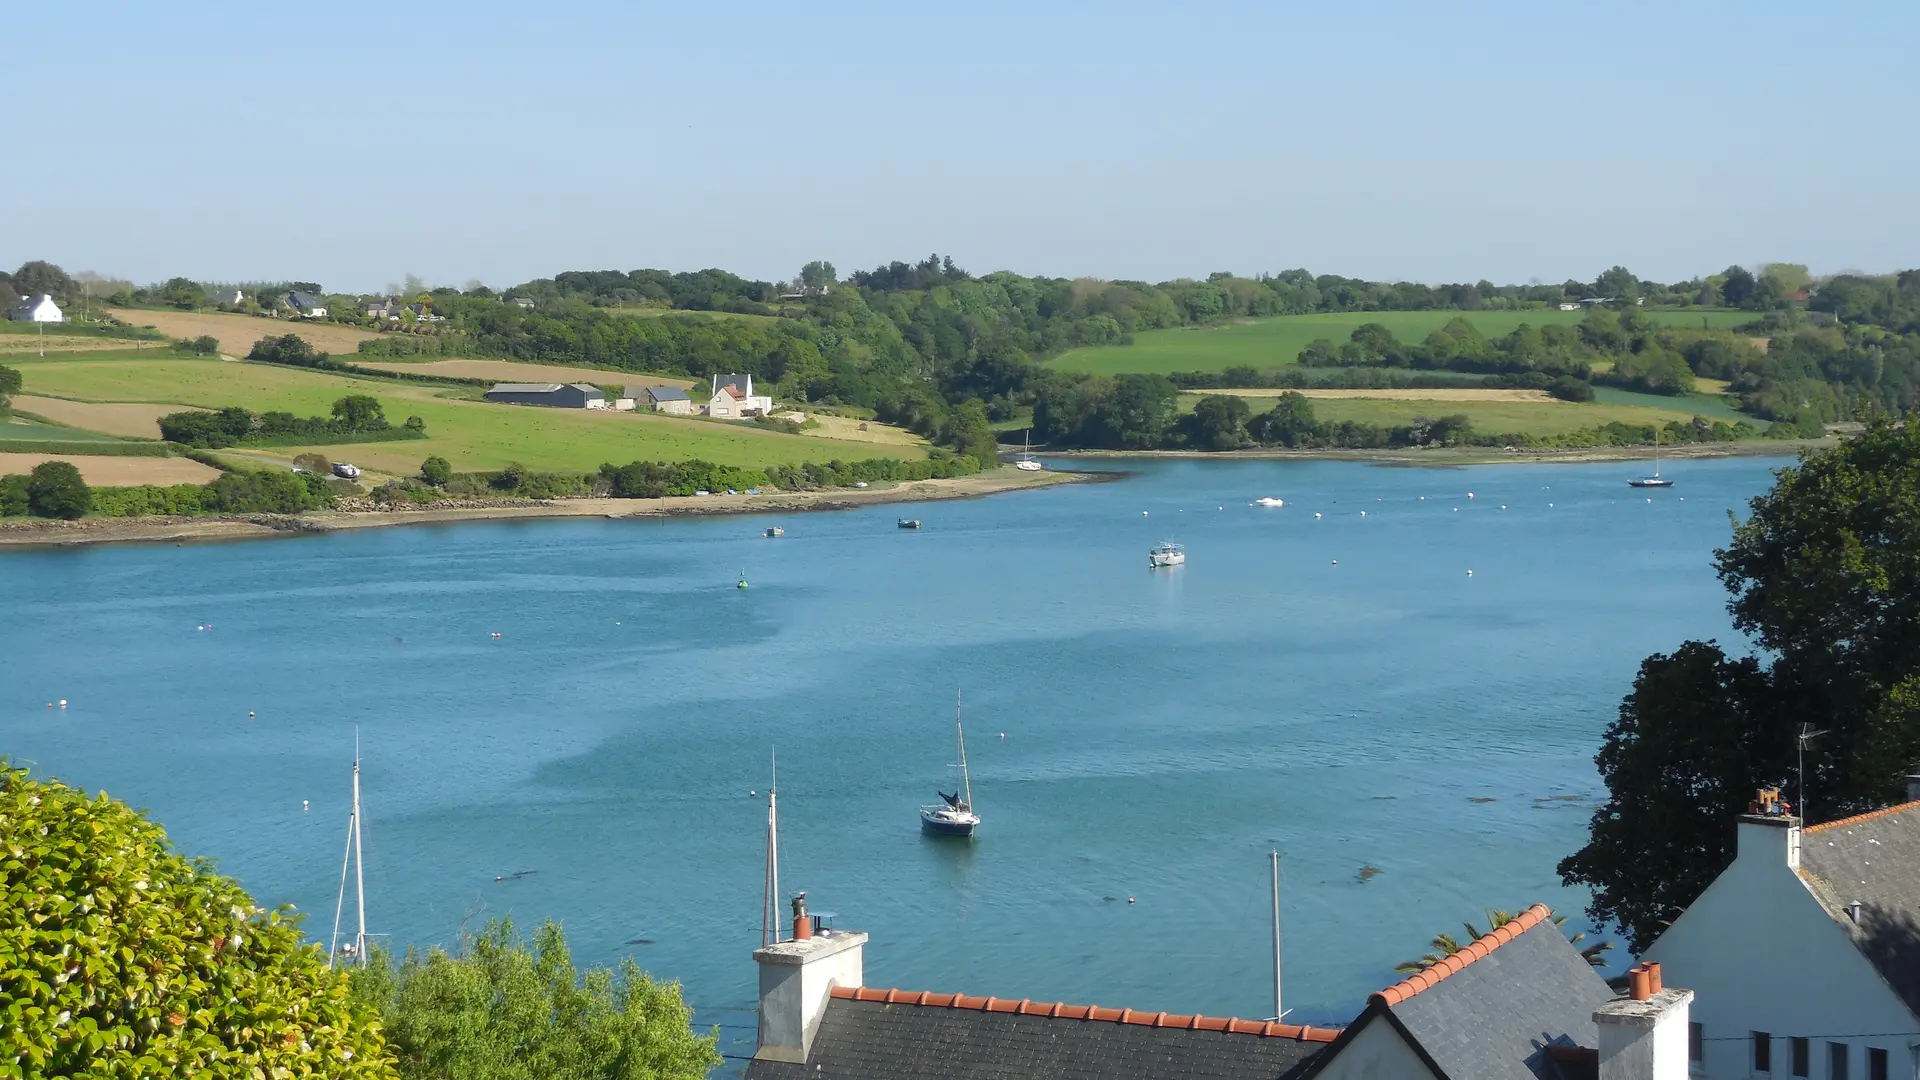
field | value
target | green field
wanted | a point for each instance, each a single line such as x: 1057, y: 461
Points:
x: 472, y: 435
x: 1711, y: 406
x: 1269, y: 343
x: 1492, y: 417
x: 19, y: 429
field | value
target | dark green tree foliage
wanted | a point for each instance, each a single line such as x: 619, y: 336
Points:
x: 204, y: 345
x: 1219, y: 422
x: 287, y: 349
x: 504, y: 1008
x: 14, y: 501
x: 55, y: 490
x: 38, y: 276
x: 9, y: 386
x: 1825, y: 576
x: 121, y: 959
x: 355, y: 416
x: 268, y: 492
x: 436, y: 471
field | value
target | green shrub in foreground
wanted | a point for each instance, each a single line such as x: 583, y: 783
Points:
x: 121, y: 958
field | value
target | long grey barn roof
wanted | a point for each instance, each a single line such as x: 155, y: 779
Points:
x: 1873, y: 859
x: 524, y: 388
x: 875, y: 1040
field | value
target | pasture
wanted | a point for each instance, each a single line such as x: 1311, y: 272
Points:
x: 515, y: 371
x: 117, y: 471
x: 472, y: 435
x: 1498, y: 417
x: 237, y: 333
x: 1276, y: 342
x: 1463, y: 393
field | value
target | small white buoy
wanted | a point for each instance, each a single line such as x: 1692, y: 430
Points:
x: 1336, y: 562
x: 753, y: 794
x: 1503, y: 506
x: 1219, y: 508
x: 1423, y: 498
x: 1363, y: 513
x: 1316, y: 516
x: 1549, y: 506
x: 1469, y: 494
x: 1003, y: 734
x: 63, y: 703
x: 1143, y: 513
x: 1456, y: 509
x: 1649, y: 500
x: 303, y: 806
x: 249, y: 714
x: 1130, y: 900
x: 1469, y: 573
x: 1683, y: 498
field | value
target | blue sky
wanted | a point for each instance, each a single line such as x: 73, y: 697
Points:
x: 351, y: 143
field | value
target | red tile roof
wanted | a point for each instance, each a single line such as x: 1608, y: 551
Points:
x: 1027, y: 1007
x: 1858, y: 818
x: 1427, y: 977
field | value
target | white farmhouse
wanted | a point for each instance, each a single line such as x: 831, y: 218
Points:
x: 733, y: 398
x: 42, y: 310
x: 1806, y: 951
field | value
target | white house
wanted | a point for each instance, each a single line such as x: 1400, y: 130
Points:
x: 230, y: 298
x: 733, y: 398
x: 43, y: 310
x: 1569, y: 305
x: 307, y: 305
x: 1806, y: 951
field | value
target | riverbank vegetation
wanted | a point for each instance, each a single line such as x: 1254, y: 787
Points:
x: 355, y: 418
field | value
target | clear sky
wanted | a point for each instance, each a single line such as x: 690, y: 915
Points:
x: 351, y: 143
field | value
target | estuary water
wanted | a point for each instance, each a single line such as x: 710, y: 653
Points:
x: 1326, y: 679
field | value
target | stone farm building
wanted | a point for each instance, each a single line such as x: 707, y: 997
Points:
x: 555, y: 395
x: 670, y: 400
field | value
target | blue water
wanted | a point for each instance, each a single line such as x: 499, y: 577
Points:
x: 1162, y: 729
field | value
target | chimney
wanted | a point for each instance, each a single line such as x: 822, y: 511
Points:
x: 1643, y: 1036
x: 1768, y: 831
x: 796, y: 978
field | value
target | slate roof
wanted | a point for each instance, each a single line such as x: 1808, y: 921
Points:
x: 738, y: 382
x: 667, y: 393
x: 524, y: 388
x: 303, y: 301
x: 1874, y: 860
x: 869, y: 1034
x: 1493, y: 1010
x: 590, y: 391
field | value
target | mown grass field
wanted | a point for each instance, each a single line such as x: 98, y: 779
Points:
x: 515, y: 371
x: 1276, y: 342
x: 1490, y: 417
x: 472, y: 435
x: 19, y: 429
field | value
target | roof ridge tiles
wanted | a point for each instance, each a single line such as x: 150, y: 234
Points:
x: 1428, y: 977
x: 1858, y: 818
x: 1061, y: 1010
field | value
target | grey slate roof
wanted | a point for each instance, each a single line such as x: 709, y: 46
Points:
x: 304, y: 301
x: 590, y: 391
x: 667, y: 393
x: 524, y: 388
x: 873, y: 1040
x: 1494, y: 1018
x: 1874, y: 860
x: 739, y: 381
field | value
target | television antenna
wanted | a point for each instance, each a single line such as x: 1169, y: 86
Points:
x: 1801, y: 741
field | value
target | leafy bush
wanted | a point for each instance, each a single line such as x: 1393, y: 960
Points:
x: 121, y: 958
x: 204, y: 345
x: 356, y: 418
x: 149, y: 499
x: 9, y: 386
x: 436, y: 470
x: 269, y: 493
x: 13, y: 496
x: 55, y: 490
x: 287, y: 349
x: 505, y: 1007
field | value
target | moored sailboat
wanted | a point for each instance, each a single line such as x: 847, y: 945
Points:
x: 955, y: 816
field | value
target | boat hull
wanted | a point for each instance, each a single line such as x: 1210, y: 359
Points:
x: 1157, y: 561
x: 1650, y: 483
x: 937, y: 825
x: 1028, y: 466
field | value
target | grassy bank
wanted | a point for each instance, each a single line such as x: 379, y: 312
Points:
x: 1267, y: 343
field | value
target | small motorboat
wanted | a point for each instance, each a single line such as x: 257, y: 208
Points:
x: 774, y: 531
x: 1166, y: 553
x: 908, y: 523
x: 1269, y: 501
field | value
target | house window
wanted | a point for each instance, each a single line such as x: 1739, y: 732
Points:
x: 1693, y: 1041
x: 1802, y: 1056
x: 1876, y: 1063
x: 1762, y: 1052
x: 1837, y: 1061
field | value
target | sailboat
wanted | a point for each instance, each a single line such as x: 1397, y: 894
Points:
x: 1654, y: 481
x: 1026, y: 462
x: 356, y: 951
x: 955, y: 816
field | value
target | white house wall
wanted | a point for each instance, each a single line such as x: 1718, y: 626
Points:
x: 1376, y: 1053
x: 1761, y: 954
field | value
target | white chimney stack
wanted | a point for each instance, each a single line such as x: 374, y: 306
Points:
x: 1643, y: 1036
x: 1769, y: 832
x: 796, y: 979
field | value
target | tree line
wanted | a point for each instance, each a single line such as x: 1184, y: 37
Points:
x: 355, y: 418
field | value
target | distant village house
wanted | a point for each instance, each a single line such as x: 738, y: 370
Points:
x: 42, y: 310
x: 388, y: 310
x: 670, y: 400
x: 552, y: 395
x: 230, y: 298
x: 733, y: 399
x: 307, y: 305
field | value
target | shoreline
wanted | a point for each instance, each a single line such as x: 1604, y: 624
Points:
x: 87, y: 532
x: 1454, y: 456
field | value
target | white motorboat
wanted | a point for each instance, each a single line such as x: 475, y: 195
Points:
x: 1269, y: 501
x: 1166, y: 553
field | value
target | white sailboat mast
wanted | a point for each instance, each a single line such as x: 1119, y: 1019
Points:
x: 359, y: 868
x: 965, y: 778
